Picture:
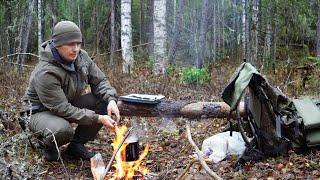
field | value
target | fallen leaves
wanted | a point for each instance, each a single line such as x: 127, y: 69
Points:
x: 170, y: 153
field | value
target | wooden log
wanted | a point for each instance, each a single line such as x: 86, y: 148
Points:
x: 171, y: 108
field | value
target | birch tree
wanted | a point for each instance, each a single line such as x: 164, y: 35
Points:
x: 318, y: 30
x: 126, y: 36
x: 39, y: 26
x: 159, y: 29
x: 24, y: 35
x: 177, y: 30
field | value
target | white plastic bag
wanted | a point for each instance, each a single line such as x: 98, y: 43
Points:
x: 218, y: 146
x: 97, y: 167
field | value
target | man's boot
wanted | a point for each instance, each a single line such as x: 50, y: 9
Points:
x: 78, y: 151
x: 49, y: 153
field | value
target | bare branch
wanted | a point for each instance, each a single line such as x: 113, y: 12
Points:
x: 59, y: 154
x: 116, y: 151
x: 14, y: 54
x: 200, y: 158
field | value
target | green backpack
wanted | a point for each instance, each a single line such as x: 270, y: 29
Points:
x: 309, y: 111
x: 274, y: 123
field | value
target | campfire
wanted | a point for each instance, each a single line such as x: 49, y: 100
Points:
x: 129, y: 164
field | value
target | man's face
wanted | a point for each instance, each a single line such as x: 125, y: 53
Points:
x: 70, y: 51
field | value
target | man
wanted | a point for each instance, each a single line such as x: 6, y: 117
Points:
x: 56, y: 95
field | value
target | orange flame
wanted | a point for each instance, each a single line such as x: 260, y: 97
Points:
x: 126, y: 170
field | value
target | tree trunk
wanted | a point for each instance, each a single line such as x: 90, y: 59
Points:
x: 8, y: 31
x: 234, y: 25
x: 223, y: 42
x: 218, y: 26
x: 126, y: 36
x: 214, y: 42
x: 159, y: 29
x: 255, y: 20
x: 141, y: 26
x: 39, y: 26
x: 267, y: 38
x: 52, y: 7
x: 112, y: 32
x: 203, y: 32
x: 70, y: 9
x: 79, y: 18
x: 43, y: 14
x: 24, y: 35
x: 318, y: 31
x: 177, y: 30
x: 245, y: 34
x: 274, y: 34
x: 287, y: 40
x: 186, y: 109
x: 96, y: 19
x: 150, y: 33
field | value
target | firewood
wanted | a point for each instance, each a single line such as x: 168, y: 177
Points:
x: 171, y: 108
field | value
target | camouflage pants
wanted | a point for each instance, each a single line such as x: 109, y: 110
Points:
x: 47, y: 124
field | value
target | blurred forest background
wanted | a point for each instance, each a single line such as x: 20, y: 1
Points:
x: 163, y: 33
x: 183, y: 49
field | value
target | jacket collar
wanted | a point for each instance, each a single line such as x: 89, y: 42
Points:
x: 47, y: 54
x: 67, y: 65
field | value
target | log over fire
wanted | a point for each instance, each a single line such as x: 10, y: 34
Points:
x: 170, y: 108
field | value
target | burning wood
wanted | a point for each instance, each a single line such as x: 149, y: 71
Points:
x: 128, y: 163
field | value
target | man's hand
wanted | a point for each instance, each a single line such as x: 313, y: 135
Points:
x: 113, y: 110
x: 107, y: 121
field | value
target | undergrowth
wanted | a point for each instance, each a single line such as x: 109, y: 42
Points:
x: 295, y: 80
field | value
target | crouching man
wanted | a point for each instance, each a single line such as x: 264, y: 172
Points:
x: 55, y: 96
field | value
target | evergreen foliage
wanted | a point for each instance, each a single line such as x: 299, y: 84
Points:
x: 293, y: 24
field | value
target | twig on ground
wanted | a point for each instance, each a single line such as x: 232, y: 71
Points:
x: 81, y: 164
x: 200, y: 158
x: 182, y: 175
x: 115, y: 152
x: 59, y: 154
x: 26, y: 150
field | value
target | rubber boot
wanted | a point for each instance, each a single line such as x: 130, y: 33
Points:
x: 78, y: 151
x: 49, y: 153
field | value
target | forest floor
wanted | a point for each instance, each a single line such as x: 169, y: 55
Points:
x: 170, y: 152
